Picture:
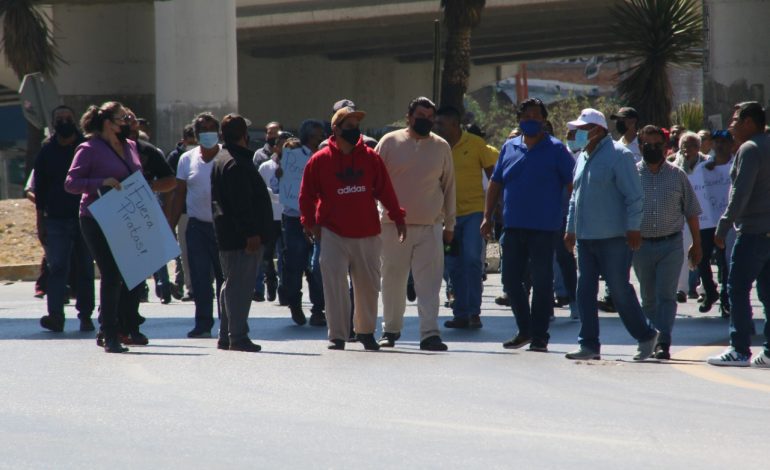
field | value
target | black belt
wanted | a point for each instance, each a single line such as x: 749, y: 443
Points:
x: 663, y: 238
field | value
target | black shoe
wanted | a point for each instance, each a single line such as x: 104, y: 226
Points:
x: 352, y: 338
x: 100, y: 339
x: 271, y: 291
x: 538, y: 345
x: 368, y: 341
x: 433, y: 343
x: 176, y: 291
x: 336, y: 344
x: 388, y: 340
x: 298, y: 315
x: 606, y: 305
x: 317, y: 319
x: 188, y: 298
x: 681, y: 297
x: 199, y: 333
x: 518, y: 341
x: 708, y: 302
x: 560, y: 301
x: 140, y: 319
x: 86, y: 324
x: 137, y: 339
x: 112, y: 345
x: 223, y: 345
x: 145, y: 295
x: 258, y: 297
x: 503, y: 300
x: 475, y: 322
x: 661, y: 351
x: 245, y: 346
x: 165, y: 298
x: 459, y: 323
x: 50, y: 322
x: 692, y: 294
x: 411, y: 294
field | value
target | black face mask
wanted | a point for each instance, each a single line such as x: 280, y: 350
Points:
x: 350, y: 136
x: 652, y: 154
x: 65, y: 129
x: 621, y: 127
x: 125, y: 132
x: 271, y: 141
x: 422, y: 126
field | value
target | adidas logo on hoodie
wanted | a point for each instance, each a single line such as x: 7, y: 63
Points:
x: 351, y: 190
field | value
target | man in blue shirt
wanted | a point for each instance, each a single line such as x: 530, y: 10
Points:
x: 605, y: 214
x: 532, y: 172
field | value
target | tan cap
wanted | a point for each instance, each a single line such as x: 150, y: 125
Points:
x: 344, y: 113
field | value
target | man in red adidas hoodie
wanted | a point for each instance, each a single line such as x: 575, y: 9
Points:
x: 338, y: 204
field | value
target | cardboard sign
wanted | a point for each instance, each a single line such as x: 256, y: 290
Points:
x: 293, y: 163
x: 712, y: 187
x: 136, y: 229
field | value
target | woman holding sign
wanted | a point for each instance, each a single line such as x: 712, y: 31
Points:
x: 100, y: 164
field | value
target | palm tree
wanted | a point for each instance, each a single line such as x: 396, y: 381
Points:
x: 28, y: 46
x: 656, y: 34
x: 460, y: 17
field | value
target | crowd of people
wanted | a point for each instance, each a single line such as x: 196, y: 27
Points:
x: 401, y: 215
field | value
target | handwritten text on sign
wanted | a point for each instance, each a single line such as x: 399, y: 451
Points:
x: 712, y: 187
x: 136, y: 229
x: 293, y: 163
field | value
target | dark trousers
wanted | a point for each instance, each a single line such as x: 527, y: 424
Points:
x: 299, y: 255
x: 533, y: 248
x: 67, y: 253
x: 111, y: 286
x: 567, y: 265
x: 203, y: 254
x: 750, y: 262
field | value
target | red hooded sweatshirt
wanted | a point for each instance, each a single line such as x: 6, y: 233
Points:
x: 340, y: 191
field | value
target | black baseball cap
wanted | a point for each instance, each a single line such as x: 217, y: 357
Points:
x: 343, y: 103
x: 625, y: 112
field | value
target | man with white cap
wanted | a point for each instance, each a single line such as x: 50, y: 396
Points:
x: 605, y: 215
x: 341, y: 185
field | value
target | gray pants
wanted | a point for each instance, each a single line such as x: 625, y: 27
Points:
x: 240, y: 272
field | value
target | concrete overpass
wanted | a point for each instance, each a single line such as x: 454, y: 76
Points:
x: 290, y: 59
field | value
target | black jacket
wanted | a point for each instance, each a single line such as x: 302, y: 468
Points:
x: 51, y: 167
x: 240, y: 202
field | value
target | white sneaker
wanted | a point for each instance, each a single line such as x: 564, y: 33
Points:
x: 761, y: 361
x: 731, y: 358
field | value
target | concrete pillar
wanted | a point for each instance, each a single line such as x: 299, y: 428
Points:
x: 197, y: 69
x: 737, y: 64
x: 109, y: 51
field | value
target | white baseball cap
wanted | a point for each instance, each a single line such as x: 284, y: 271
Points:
x: 589, y: 116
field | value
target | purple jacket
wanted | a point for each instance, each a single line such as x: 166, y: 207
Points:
x: 94, y: 162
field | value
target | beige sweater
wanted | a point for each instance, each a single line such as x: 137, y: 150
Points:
x: 422, y: 173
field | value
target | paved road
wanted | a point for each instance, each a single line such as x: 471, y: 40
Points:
x: 183, y: 403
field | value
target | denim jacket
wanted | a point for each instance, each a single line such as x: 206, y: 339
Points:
x: 607, y: 198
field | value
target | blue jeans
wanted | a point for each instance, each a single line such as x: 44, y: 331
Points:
x: 64, y: 243
x: 750, y: 261
x: 524, y: 248
x: 611, y: 258
x: 657, y: 265
x: 298, y: 255
x: 204, y: 257
x: 465, y: 270
x: 567, y: 265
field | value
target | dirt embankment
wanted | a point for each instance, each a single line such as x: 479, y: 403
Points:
x: 18, y: 233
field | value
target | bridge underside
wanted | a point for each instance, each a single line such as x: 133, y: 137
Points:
x: 529, y: 30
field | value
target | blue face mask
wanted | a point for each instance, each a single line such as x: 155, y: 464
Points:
x: 530, y: 127
x: 573, y: 146
x: 581, y: 138
x: 208, y: 140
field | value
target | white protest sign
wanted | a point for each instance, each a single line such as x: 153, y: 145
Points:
x: 293, y: 163
x: 712, y: 187
x: 136, y: 229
